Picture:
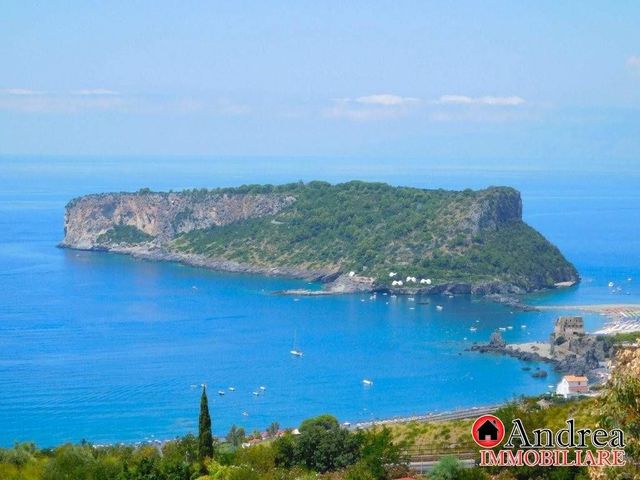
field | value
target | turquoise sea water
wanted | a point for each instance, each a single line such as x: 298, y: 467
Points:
x: 107, y: 348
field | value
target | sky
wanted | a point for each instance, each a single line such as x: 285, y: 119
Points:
x: 524, y: 83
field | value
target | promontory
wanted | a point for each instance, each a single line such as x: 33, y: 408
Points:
x: 353, y: 236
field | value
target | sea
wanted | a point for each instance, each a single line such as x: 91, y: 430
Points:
x: 106, y: 348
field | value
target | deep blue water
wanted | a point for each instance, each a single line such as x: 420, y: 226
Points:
x: 107, y: 348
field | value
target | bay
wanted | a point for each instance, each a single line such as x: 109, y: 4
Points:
x: 107, y: 348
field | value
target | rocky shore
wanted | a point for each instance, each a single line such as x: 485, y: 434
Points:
x: 334, y: 282
x: 569, y: 350
x: 159, y: 254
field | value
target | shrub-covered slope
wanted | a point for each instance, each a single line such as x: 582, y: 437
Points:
x: 374, y: 229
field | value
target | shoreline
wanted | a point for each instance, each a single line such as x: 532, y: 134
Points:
x: 431, y: 416
x: 335, y: 282
x: 455, y: 414
x: 621, y: 317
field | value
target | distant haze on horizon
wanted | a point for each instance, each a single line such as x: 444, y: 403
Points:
x: 501, y: 83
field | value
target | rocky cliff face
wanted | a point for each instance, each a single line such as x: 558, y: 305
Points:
x: 496, y: 207
x: 160, y: 216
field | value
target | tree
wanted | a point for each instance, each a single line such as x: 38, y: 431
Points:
x: 205, y: 438
x: 260, y: 458
x: 285, y: 451
x: 235, y: 436
x: 380, y: 454
x: 272, y: 430
x: 324, y: 446
x: 179, y: 457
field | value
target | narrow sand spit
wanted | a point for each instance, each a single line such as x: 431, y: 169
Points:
x: 621, y: 318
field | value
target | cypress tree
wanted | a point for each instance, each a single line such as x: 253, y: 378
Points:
x: 205, y: 438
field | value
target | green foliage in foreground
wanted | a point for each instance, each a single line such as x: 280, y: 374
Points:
x: 322, y: 446
x: 124, y: 234
x: 374, y: 228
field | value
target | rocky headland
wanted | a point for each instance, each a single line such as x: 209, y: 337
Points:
x: 352, y: 237
x: 569, y: 349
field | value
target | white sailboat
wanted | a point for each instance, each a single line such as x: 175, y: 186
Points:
x: 294, y: 350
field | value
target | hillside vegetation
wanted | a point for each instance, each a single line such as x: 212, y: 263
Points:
x: 374, y: 229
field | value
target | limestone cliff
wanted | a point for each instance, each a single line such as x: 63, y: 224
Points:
x: 161, y: 216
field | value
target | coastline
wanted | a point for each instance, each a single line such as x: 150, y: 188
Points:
x: 621, y: 317
x: 219, y: 264
x: 334, y: 281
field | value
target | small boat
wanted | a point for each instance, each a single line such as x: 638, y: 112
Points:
x: 256, y: 393
x: 367, y: 382
x: 502, y: 329
x: 245, y: 414
x: 439, y: 308
x: 523, y: 326
x: 263, y: 388
x: 232, y: 389
x: 610, y: 285
x: 473, y: 329
x: 294, y: 349
x: 221, y: 392
x: 510, y: 327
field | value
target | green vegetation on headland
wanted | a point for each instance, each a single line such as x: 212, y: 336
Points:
x: 374, y: 229
x: 126, y: 234
x: 322, y: 449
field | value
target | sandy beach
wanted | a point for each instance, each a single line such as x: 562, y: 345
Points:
x: 621, y: 318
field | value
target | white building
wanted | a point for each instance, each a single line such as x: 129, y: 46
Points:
x: 572, y: 385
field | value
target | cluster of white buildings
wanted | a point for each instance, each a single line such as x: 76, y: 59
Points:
x: 400, y: 283
x: 409, y: 279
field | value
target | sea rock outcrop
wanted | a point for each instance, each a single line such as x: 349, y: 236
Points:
x: 570, y: 349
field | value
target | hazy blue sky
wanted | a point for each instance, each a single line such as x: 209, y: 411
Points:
x: 539, y: 82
